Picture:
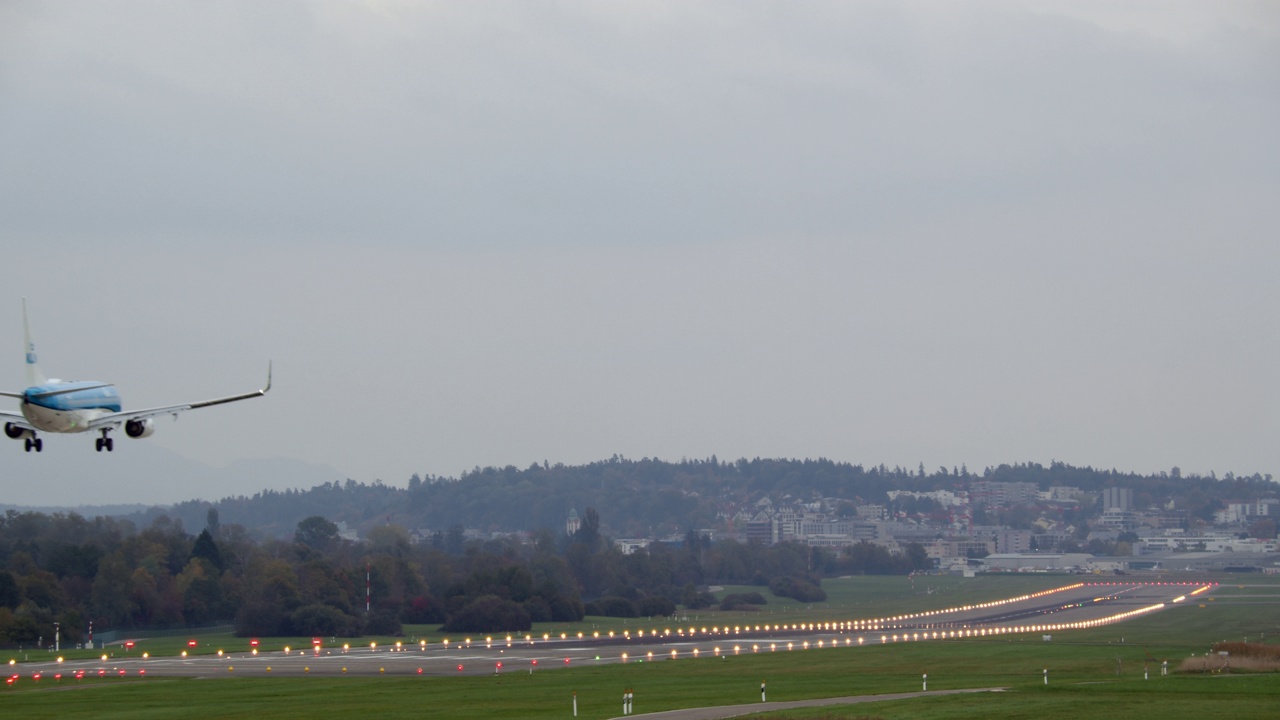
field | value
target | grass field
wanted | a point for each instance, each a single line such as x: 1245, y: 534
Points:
x: 1245, y: 697
x: 1092, y: 674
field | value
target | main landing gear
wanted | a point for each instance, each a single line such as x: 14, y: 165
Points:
x: 104, y: 442
x: 22, y: 432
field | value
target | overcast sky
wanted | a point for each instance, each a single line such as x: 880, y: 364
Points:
x: 474, y: 234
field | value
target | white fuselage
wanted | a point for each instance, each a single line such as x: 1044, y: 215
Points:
x: 57, y: 406
x: 61, y: 421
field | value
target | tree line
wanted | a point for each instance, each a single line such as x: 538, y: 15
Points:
x: 67, y: 569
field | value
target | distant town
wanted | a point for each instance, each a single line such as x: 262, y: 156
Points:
x: 1112, y: 534
x: 957, y: 531
x: 1018, y: 517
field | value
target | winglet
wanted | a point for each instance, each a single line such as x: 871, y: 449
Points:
x: 192, y: 406
x: 34, y: 376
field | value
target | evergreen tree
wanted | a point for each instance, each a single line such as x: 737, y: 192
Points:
x: 206, y: 549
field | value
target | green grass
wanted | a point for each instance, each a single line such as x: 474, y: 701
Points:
x: 1179, y: 698
x: 1082, y: 676
x: 1083, y: 667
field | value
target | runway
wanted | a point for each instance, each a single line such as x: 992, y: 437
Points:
x: 1074, y: 606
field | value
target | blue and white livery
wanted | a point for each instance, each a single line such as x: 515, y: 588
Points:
x: 61, y: 406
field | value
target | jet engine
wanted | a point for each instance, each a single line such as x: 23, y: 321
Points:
x: 139, y: 428
x: 17, y: 433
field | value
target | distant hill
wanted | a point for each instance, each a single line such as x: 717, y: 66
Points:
x: 634, y: 498
x: 85, y: 510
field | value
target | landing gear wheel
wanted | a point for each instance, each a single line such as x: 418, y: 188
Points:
x: 109, y: 444
x: 97, y: 444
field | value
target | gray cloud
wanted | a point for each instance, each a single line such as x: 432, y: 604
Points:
x: 471, y: 235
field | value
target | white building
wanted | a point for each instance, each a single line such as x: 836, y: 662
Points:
x: 1242, y: 512
x: 629, y: 546
x: 945, y: 498
x: 1037, y: 561
x: 1062, y: 493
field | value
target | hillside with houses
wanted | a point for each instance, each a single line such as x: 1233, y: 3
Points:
x: 1017, y: 516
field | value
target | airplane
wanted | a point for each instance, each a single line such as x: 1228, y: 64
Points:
x: 62, y: 406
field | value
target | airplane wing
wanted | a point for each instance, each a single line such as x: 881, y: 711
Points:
x: 115, y: 419
x: 13, y: 418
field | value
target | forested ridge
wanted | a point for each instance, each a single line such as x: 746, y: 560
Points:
x: 655, y: 498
